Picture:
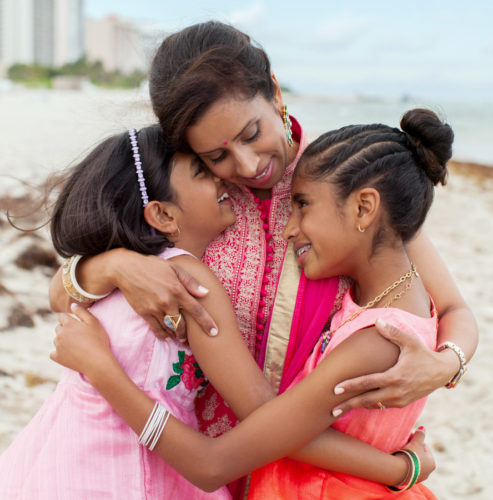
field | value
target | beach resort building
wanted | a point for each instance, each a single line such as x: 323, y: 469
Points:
x: 48, y: 32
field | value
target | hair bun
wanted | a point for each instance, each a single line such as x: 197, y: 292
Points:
x: 431, y: 141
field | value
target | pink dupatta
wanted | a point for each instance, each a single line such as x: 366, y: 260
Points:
x: 315, y: 303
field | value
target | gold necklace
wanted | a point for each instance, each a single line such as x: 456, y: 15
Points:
x: 326, y: 336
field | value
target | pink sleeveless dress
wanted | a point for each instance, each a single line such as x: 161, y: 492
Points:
x: 77, y: 448
x: 387, y: 430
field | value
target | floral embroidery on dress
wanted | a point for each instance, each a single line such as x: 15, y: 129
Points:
x: 187, y: 371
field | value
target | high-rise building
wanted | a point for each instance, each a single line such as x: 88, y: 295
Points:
x: 121, y: 44
x: 16, y: 32
x: 43, y: 29
x: 68, y: 31
x: 48, y: 32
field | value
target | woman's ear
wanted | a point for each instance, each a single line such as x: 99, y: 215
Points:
x: 367, y: 204
x: 161, y: 216
x: 278, y: 103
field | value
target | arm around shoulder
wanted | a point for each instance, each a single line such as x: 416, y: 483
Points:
x: 456, y: 321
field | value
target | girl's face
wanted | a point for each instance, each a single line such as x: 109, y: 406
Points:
x: 243, y: 141
x: 323, y: 232
x: 203, y: 207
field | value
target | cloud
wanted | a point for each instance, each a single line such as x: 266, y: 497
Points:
x: 340, y: 31
x: 249, y: 15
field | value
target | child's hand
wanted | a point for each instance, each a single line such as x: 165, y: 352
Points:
x: 81, y: 344
x: 418, y: 445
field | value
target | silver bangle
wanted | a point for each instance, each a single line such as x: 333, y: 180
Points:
x: 154, y: 426
x: 462, y: 360
x: 71, y: 285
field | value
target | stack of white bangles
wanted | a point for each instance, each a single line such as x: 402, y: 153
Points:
x: 154, y: 426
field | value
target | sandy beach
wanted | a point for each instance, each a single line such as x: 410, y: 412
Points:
x: 47, y: 131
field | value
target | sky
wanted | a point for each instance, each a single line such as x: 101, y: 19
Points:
x: 438, y: 49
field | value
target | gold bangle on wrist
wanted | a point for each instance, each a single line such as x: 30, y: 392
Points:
x: 71, y: 285
x: 462, y: 360
x: 413, y: 470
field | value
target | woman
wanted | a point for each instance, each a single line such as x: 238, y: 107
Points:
x: 214, y: 93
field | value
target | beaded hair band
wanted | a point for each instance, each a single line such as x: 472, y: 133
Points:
x: 132, y: 133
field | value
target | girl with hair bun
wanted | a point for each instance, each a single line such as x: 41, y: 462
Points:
x: 358, y: 195
x: 214, y: 93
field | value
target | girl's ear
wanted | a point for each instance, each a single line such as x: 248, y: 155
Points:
x: 161, y: 215
x: 367, y: 207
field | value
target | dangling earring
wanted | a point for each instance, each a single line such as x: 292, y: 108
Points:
x: 287, y: 125
x: 361, y: 230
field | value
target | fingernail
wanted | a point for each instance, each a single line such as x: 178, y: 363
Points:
x: 202, y: 289
x: 213, y: 332
x: 381, y: 323
x: 336, y: 413
x: 421, y: 428
x: 73, y: 306
x: 338, y: 390
x: 182, y: 340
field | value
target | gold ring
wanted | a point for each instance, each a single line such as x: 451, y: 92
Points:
x: 380, y: 405
x: 172, y: 322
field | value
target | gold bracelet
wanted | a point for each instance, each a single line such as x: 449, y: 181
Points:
x: 71, y: 285
x: 462, y: 360
x: 413, y: 475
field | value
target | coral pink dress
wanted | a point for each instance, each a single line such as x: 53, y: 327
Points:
x: 387, y: 429
x: 77, y: 448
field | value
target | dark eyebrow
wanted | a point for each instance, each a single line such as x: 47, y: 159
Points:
x: 249, y: 122
x: 298, y: 196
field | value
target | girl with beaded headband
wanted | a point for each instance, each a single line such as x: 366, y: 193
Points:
x: 213, y: 92
x: 132, y: 192
x: 358, y: 195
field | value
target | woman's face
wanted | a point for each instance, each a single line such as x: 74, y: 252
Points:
x: 243, y: 141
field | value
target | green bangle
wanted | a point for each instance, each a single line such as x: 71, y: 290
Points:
x: 415, y: 470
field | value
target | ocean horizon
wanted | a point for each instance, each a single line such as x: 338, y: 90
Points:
x: 36, y: 141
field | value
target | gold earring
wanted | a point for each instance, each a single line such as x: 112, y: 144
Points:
x: 287, y: 125
x: 176, y: 233
x: 360, y: 229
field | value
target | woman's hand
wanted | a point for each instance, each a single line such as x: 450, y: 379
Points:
x: 155, y: 287
x: 426, y: 459
x: 418, y: 372
x: 81, y: 344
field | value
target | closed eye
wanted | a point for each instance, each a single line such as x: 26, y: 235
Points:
x: 217, y: 159
x: 200, y: 168
x: 255, y: 134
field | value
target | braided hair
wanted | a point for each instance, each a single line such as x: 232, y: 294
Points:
x: 402, y: 165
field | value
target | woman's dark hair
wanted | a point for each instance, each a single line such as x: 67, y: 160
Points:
x: 99, y: 206
x: 199, y: 65
x: 402, y: 165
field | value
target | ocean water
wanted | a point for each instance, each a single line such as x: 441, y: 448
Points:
x: 472, y: 122
x: 44, y: 131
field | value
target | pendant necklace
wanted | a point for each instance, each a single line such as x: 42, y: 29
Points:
x: 326, y: 336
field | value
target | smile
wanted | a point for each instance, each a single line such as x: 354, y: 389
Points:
x: 223, y: 197
x: 302, y: 250
x: 262, y: 178
x: 262, y: 174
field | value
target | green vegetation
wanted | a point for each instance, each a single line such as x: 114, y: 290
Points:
x: 36, y: 75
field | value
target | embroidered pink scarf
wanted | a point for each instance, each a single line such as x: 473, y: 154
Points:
x: 237, y: 257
